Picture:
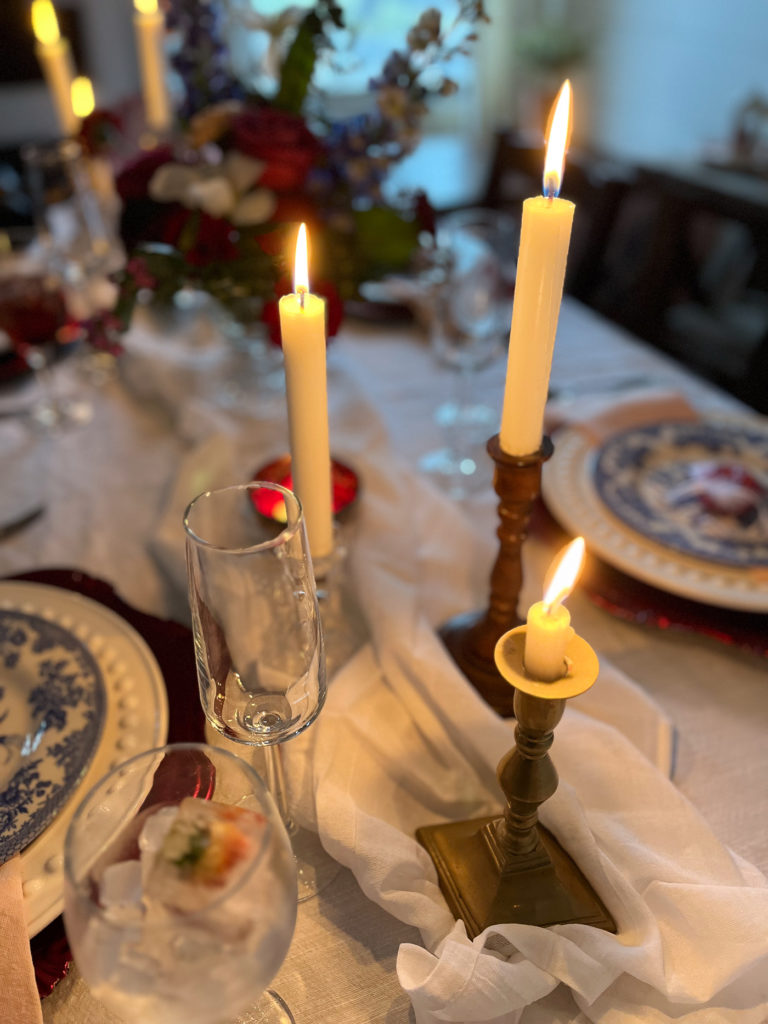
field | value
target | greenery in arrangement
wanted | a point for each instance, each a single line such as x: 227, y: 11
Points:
x: 217, y: 208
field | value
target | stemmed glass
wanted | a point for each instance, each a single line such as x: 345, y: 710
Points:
x: 258, y: 639
x: 33, y: 316
x: 81, y: 245
x: 471, y: 310
x: 180, y: 889
x: 77, y: 242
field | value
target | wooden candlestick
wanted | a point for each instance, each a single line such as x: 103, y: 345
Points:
x: 471, y: 637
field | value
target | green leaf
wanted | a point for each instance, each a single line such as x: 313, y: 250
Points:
x: 385, y: 242
x: 298, y: 67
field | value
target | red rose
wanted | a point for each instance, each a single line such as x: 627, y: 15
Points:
x: 282, y: 140
x: 334, y: 308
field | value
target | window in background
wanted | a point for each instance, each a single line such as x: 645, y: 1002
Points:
x: 374, y: 28
x: 451, y: 162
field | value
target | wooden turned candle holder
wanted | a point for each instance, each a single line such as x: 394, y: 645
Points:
x: 472, y: 636
x: 510, y: 869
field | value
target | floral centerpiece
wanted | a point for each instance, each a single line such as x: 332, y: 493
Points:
x: 216, y: 208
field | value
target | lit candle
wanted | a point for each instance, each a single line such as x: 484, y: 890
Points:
x: 149, y: 26
x: 55, y: 60
x: 544, y: 238
x: 83, y: 100
x: 302, y: 327
x: 549, y: 623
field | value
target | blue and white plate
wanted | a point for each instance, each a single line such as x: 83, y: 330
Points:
x: 700, y: 488
x: 52, y: 703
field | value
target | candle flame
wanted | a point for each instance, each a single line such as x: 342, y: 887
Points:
x: 563, y: 573
x: 83, y: 101
x: 301, y: 264
x: 45, y: 24
x: 558, y: 137
x: 145, y: 6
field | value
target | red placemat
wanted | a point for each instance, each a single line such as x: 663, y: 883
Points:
x: 172, y: 645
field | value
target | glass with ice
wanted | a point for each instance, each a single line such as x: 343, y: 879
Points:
x: 180, y: 888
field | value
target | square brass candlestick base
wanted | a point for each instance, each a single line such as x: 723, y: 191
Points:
x: 543, y: 888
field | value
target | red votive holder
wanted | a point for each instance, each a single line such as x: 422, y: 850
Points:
x: 344, y: 487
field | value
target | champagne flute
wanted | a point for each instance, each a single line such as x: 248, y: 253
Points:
x: 258, y: 638
x: 180, y: 889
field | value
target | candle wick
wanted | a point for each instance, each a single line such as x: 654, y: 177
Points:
x: 301, y: 292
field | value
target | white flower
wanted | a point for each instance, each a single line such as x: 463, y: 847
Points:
x: 243, y: 171
x: 214, y: 196
x: 219, y: 191
x: 255, y: 208
x: 170, y: 182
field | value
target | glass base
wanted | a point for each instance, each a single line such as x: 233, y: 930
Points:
x: 455, y: 472
x: 270, y: 1009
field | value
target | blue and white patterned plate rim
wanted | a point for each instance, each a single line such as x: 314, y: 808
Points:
x: 569, y: 492
x: 136, y: 718
x: 661, y: 479
x: 52, y: 705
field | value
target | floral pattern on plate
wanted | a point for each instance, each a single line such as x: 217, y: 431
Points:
x: 699, y: 488
x: 52, y: 705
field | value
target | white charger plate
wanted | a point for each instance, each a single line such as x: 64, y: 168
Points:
x: 568, y: 488
x: 135, y: 718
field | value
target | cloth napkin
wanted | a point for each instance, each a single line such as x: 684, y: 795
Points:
x: 19, y: 1000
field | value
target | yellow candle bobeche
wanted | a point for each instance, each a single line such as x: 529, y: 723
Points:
x: 302, y: 329
x: 549, y: 623
x: 55, y: 61
x: 544, y: 239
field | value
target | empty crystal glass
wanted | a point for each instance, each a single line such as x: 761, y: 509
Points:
x: 180, y: 889
x: 471, y: 312
x: 258, y: 639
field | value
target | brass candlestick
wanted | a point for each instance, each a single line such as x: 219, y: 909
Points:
x: 471, y: 637
x: 510, y: 869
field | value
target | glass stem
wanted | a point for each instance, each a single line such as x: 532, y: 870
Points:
x: 275, y: 771
x: 462, y: 394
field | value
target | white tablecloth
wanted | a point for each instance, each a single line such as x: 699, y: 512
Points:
x: 111, y: 480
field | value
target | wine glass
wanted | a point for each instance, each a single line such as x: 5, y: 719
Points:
x: 258, y: 638
x: 180, y: 888
x: 33, y: 320
x: 81, y: 245
x: 471, y: 311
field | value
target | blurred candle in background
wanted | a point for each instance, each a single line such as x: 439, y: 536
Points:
x: 83, y: 100
x: 549, y: 623
x: 55, y: 59
x: 545, y: 235
x: 302, y: 328
x: 149, y: 25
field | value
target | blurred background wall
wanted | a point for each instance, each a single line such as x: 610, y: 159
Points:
x: 652, y: 78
